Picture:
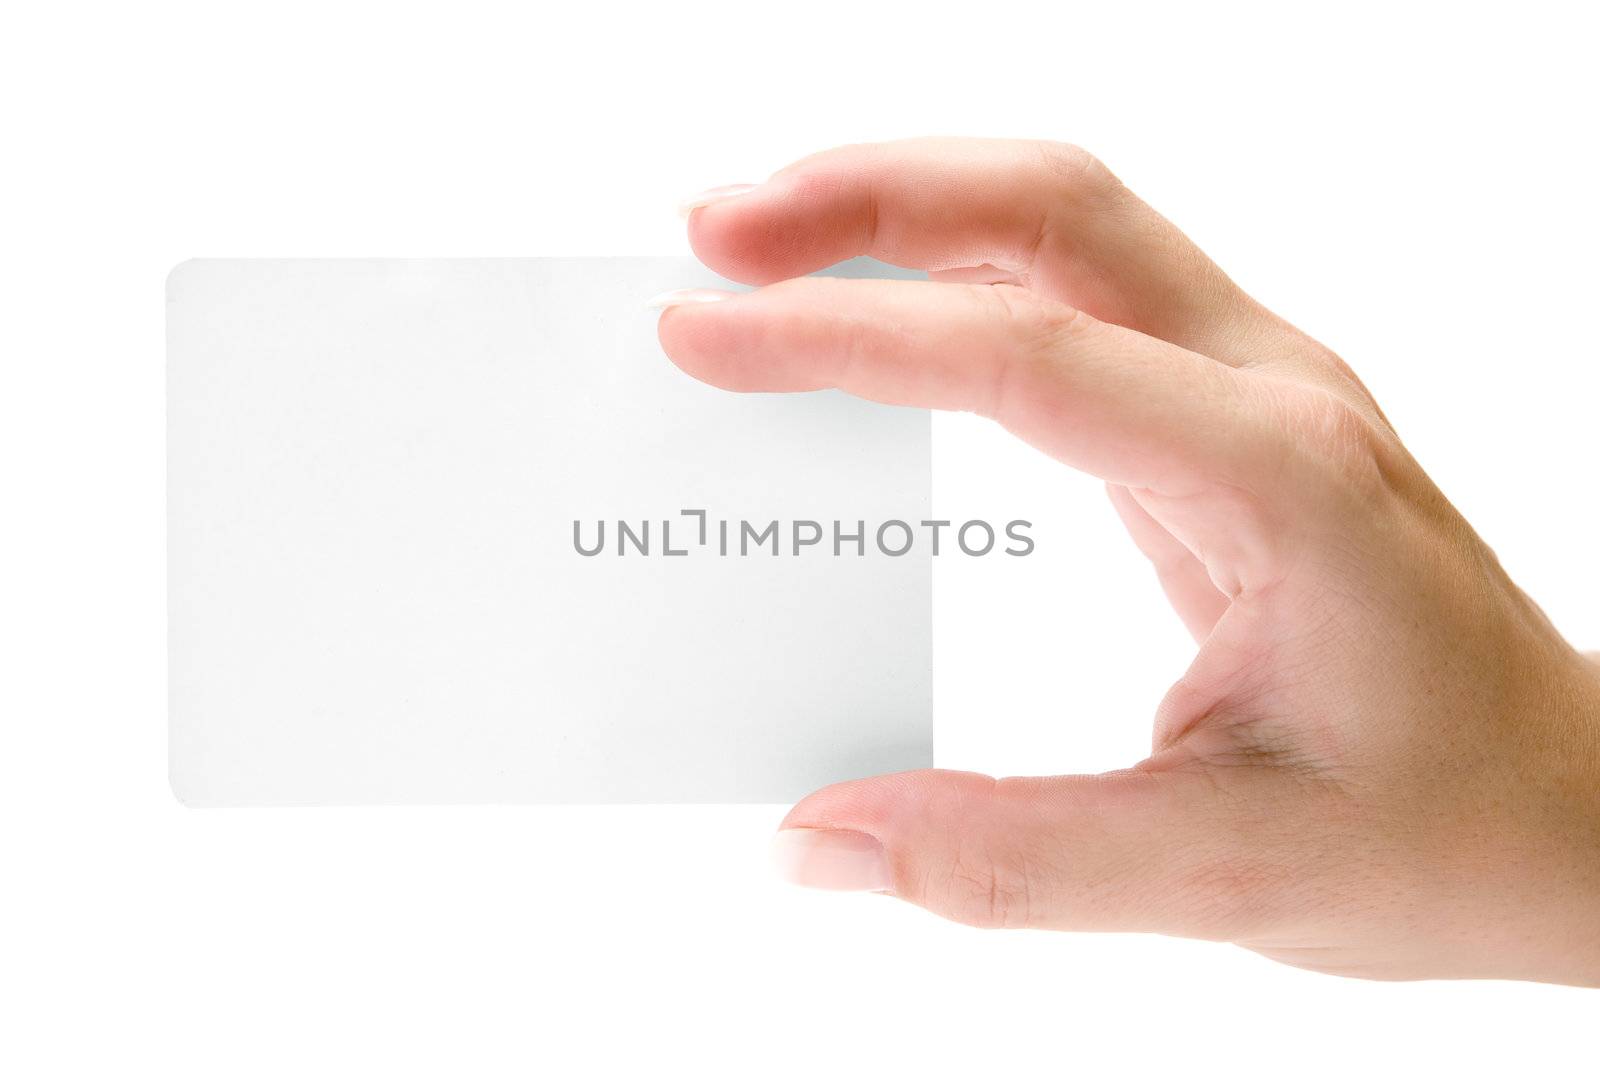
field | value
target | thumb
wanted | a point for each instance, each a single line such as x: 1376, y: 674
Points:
x: 1131, y: 850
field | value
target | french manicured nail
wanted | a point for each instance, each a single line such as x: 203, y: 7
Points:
x: 713, y: 196
x: 674, y: 297
x: 832, y: 859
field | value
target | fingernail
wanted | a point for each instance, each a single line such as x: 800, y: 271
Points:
x: 712, y: 196
x: 832, y: 859
x: 674, y: 297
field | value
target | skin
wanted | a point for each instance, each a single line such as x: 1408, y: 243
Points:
x: 1383, y: 761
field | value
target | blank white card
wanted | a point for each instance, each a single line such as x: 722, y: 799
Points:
x: 452, y: 531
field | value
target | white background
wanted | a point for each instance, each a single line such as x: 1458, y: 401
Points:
x: 1414, y: 189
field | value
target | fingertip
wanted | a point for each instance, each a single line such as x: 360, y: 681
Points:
x: 715, y: 195
x: 682, y: 331
x: 832, y: 859
x: 877, y: 805
x: 678, y: 297
x: 730, y: 238
x: 715, y: 342
x: 770, y: 233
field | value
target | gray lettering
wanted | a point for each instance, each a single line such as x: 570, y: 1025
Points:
x: 746, y: 530
x: 859, y: 537
x: 577, y: 542
x: 903, y: 548
x: 800, y: 542
x: 961, y: 537
x: 701, y: 514
x: 624, y: 535
x: 1011, y: 532
x: 666, y: 540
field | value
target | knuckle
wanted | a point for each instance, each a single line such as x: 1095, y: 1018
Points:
x: 987, y: 893
x: 1074, y: 169
x: 1035, y: 330
x: 1330, y: 423
x: 986, y: 876
x: 1027, y: 317
x: 1328, y: 368
x: 1344, y: 441
x: 1329, y: 362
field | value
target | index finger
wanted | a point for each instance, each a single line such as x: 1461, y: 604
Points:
x: 1114, y: 403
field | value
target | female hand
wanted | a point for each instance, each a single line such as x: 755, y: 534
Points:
x: 1383, y: 760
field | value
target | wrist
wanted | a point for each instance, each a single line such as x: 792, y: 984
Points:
x: 1565, y: 806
